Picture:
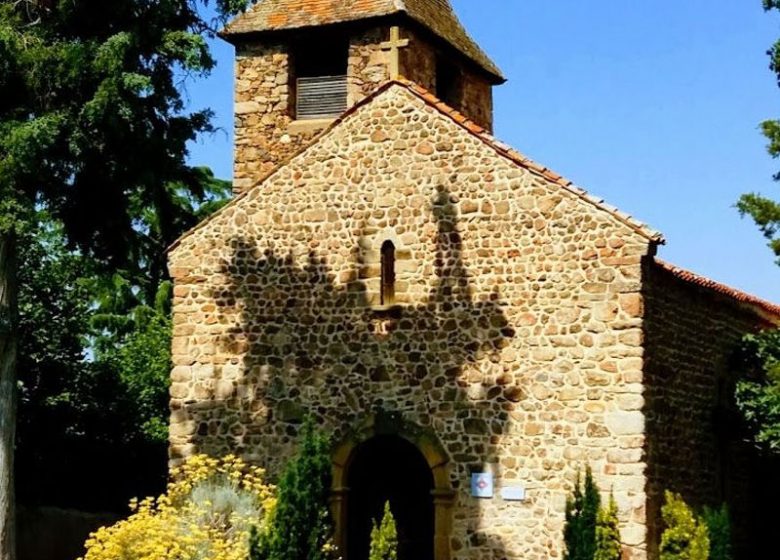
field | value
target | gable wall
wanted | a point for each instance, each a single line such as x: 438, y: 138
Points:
x: 696, y: 444
x: 518, y: 345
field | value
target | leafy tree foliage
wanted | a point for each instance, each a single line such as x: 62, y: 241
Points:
x: 141, y: 361
x: 54, y: 309
x: 758, y: 395
x: 608, y: 546
x: 301, y: 527
x: 74, y: 412
x: 94, y: 373
x: 581, y: 514
x: 93, y: 129
x: 686, y: 536
x: 384, y: 538
x: 765, y: 211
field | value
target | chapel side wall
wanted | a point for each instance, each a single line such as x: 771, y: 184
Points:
x: 695, y: 443
x: 477, y: 99
x: 518, y: 346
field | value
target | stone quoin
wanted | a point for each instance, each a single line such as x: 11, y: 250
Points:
x: 441, y: 304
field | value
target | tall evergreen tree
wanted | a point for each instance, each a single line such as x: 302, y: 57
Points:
x: 301, y: 527
x: 608, y: 545
x: 581, y: 515
x: 759, y: 396
x: 93, y: 127
x: 685, y: 536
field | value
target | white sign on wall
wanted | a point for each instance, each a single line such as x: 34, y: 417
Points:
x: 513, y: 493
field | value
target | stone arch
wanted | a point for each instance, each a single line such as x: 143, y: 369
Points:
x: 432, y: 451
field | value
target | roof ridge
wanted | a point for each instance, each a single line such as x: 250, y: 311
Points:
x: 723, y: 289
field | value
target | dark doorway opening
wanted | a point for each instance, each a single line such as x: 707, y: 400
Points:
x: 389, y: 468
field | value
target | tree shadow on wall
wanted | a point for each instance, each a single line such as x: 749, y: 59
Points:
x: 312, y: 345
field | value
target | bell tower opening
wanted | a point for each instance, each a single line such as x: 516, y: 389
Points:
x: 318, y: 75
x: 390, y: 469
x: 448, y: 82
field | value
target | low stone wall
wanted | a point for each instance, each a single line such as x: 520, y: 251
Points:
x: 56, y: 534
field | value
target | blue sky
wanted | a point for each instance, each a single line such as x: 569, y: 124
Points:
x: 653, y: 106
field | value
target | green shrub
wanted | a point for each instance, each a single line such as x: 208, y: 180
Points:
x: 719, y: 525
x: 301, y: 527
x: 581, y: 513
x: 608, y: 546
x: 384, y: 538
x: 686, y: 536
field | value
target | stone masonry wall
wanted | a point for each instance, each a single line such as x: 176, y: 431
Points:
x: 518, y: 341
x: 266, y: 131
x: 695, y: 440
x: 262, y: 113
x: 475, y: 95
x: 368, y: 63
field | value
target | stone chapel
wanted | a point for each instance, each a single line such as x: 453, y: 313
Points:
x: 443, y: 306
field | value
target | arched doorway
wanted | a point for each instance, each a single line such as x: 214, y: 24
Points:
x: 414, y: 443
x: 390, y: 469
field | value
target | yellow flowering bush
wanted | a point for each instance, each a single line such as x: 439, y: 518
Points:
x: 207, y: 513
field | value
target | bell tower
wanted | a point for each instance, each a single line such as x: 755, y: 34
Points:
x: 300, y: 64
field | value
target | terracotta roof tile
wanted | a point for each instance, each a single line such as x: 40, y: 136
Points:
x: 435, y: 15
x: 737, y: 295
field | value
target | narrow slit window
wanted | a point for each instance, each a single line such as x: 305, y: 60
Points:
x: 388, y: 273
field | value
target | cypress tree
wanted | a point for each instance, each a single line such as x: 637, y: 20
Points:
x: 686, y: 537
x: 719, y: 525
x: 384, y: 538
x: 608, y: 546
x: 581, y: 513
x: 301, y: 527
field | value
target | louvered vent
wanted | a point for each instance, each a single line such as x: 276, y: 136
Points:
x: 321, y: 97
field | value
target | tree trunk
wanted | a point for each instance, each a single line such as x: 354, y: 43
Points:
x: 7, y: 394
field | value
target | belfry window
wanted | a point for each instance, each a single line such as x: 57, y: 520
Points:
x: 448, y: 82
x: 319, y: 78
x: 388, y: 274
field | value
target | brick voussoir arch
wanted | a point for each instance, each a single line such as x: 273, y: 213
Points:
x: 427, y: 444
